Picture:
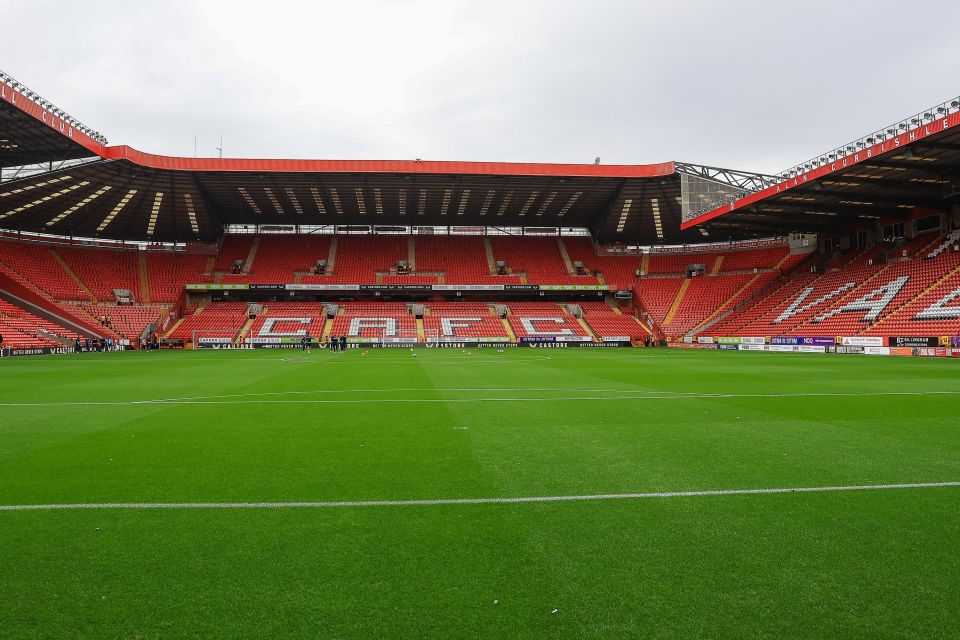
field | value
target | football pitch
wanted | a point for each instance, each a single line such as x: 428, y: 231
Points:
x: 533, y: 493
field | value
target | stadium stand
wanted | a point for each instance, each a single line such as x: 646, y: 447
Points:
x: 129, y: 321
x: 608, y: 322
x: 36, y: 264
x: 280, y: 258
x: 485, y: 324
x: 815, y: 304
x: 292, y: 312
x: 540, y: 319
x: 235, y: 248
x: 23, y: 329
x: 359, y: 258
x: 368, y: 320
x: 214, y: 320
x: 168, y: 272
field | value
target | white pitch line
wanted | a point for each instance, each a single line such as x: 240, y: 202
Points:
x: 466, y: 501
x: 631, y: 395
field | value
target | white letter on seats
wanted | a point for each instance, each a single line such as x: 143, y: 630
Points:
x: 529, y: 327
x: 449, y: 326
x: 939, y: 309
x: 871, y: 303
x: 388, y: 326
x: 795, y: 307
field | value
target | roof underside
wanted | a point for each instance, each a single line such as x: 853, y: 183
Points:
x: 25, y: 140
x: 123, y: 200
x: 885, y: 187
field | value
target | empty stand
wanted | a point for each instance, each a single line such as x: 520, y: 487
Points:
x: 215, y: 320
x: 374, y: 321
x: 543, y: 319
x: 482, y: 322
x: 22, y: 329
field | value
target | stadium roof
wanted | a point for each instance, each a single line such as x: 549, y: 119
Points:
x: 883, y: 177
x: 88, y: 189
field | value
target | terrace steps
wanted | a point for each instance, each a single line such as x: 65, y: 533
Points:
x: 244, y: 329
x: 251, y: 256
x: 586, y: 327
x: 717, y: 264
x: 676, y: 301
x: 488, y: 250
x: 332, y: 254
x: 145, y: 297
x: 509, y: 329
x: 736, y: 294
x: 562, y: 248
x: 73, y: 276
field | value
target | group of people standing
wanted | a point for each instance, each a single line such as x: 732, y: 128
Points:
x: 333, y: 343
x: 96, y: 344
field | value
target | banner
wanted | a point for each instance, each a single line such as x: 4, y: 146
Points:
x: 862, y: 341
x: 876, y: 351
x: 955, y: 341
x: 753, y: 340
x: 914, y: 341
x: 470, y: 340
x: 217, y: 287
x: 931, y: 352
x: 704, y: 340
x: 35, y: 351
x: 728, y: 347
x: 729, y: 340
x: 214, y: 340
x: 849, y: 349
x: 820, y: 341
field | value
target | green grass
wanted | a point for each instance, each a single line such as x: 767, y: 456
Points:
x: 875, y: 564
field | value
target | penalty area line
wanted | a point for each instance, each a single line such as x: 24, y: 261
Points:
x: 468, y: 501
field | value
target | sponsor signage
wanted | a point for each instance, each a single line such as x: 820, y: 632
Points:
x: 471, y: 340
x: 862, y: 341
x: 955, y: 341
x: 728, y: 347
x: 211, y: 286
x: 820, y: 341
x: 849, y: 349
x: 214, y: 340
x: 467, y: 287
x: 396, y: 287
x: 876, y: 351
x: 753, y: 340
x: 615, y: 338
x: 463, y: 345
x: 574, y: 287
x: 322, y: 287
x: 931, y: 352
x: 704, y: 339
x: 37, y: 351
x: 729, y: 340
x: 914, y: 341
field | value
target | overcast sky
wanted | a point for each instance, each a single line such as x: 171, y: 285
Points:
x: 756, y: 85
